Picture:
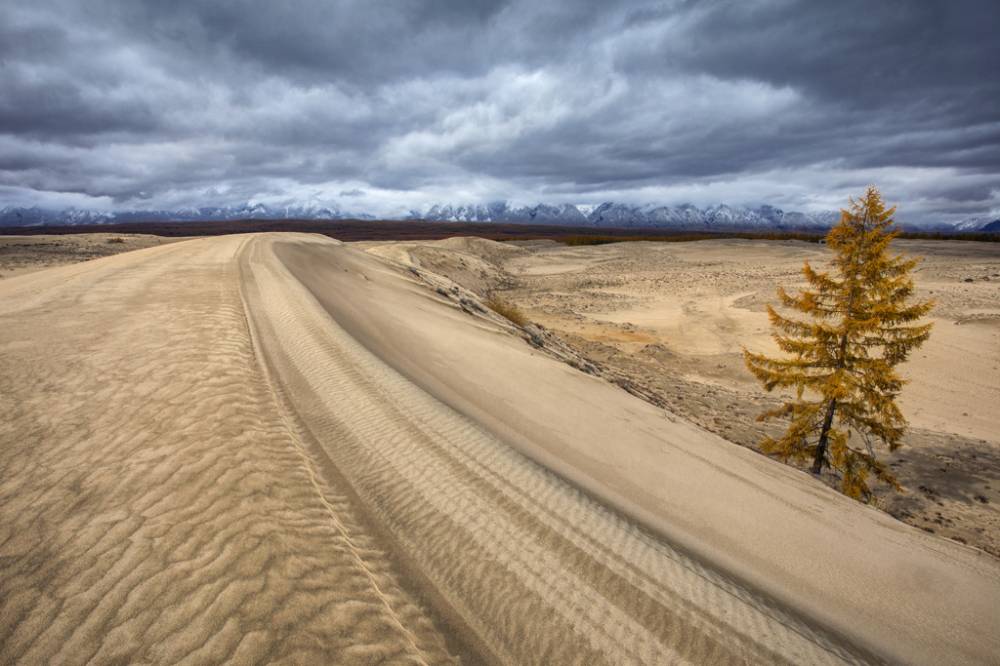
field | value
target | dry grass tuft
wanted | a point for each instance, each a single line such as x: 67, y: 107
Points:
x: 506, y: 309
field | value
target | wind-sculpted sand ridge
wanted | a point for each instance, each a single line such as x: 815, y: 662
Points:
x: 280, y: 448
x: 540, y: 572
x: 890, y: 588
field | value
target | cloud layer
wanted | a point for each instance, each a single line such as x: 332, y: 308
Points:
x: 389, y: 106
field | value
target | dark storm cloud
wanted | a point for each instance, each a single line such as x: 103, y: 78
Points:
x: 388, y: 105
x: 852, y: 49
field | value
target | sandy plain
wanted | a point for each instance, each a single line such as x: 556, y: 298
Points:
x: 27, y: 254
x: 280, y: 448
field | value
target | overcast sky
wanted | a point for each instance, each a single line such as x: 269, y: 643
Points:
x: 390, y: 106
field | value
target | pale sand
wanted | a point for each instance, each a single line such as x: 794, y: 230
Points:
x: 281, y: 448
x: 668, y: 320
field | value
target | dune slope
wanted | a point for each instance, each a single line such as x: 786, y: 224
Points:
x: 279, y: 447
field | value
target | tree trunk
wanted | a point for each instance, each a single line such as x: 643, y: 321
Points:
x: 824, y: 435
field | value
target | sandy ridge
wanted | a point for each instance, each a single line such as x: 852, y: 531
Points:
x: 248, y: 285
x: 639, y: 602
x: 899, y: 592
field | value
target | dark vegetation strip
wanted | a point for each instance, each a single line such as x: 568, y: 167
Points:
x: 983, y: 236
x: 686, y: 236
x: 809, y: 237
x: 358, y: 230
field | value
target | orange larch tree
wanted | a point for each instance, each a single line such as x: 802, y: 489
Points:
x: 860, y: 322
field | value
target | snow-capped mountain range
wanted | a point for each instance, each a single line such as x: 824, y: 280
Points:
x: 621, y: 215
x: 35, y: 216
x: 978, y: 223
x: 609, y: 214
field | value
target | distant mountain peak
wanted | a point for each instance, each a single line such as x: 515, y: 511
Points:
x: 978, y: 223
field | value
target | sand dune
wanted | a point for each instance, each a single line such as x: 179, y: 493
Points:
x: 281, y: 448
x: 668, y: 320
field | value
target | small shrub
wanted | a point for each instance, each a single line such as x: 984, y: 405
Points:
x: 506, y: 309
x: 115, y: 239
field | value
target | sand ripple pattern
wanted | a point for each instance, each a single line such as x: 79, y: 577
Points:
x: 538, y: 571
x: 155, y: 507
